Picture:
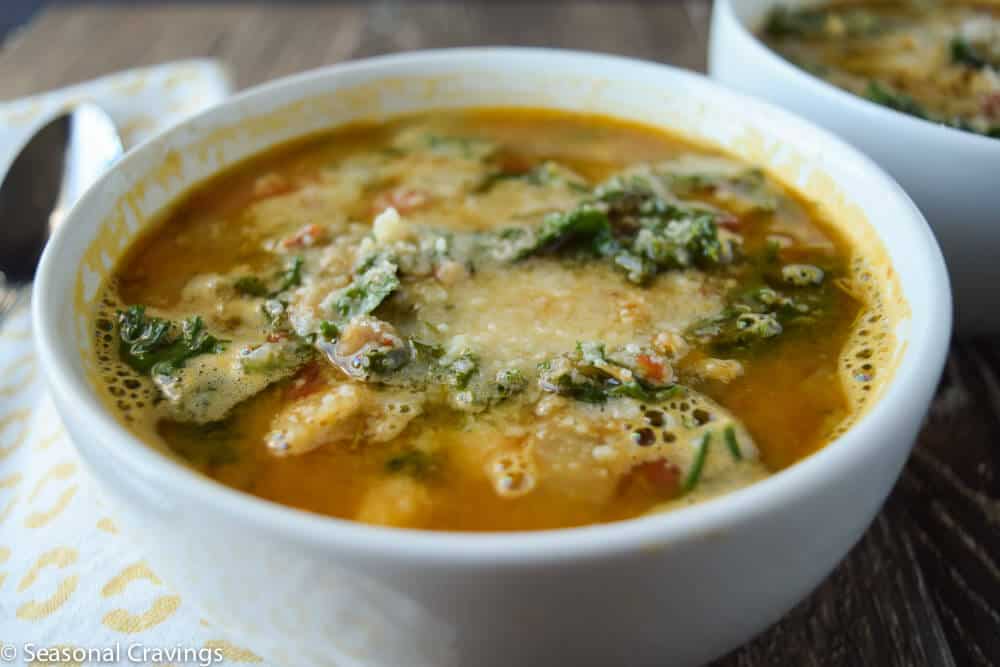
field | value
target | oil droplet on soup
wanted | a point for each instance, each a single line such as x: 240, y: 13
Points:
x: 489, y: 320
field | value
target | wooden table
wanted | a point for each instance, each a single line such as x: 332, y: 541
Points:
x: 921, y: 588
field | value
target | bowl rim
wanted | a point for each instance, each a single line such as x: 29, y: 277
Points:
x: 857, y: 103
x: 920, y: 362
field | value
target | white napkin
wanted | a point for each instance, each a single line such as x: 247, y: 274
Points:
x: 140, y: 101
x: 73, y: 590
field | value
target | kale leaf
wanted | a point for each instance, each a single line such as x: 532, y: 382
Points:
x: 159, y: 346
x: 963, y: 53
x: 374, y: 280
x: 625, y: 222
x: 581, y: 226
x: 762, y: 314
x: 786, y: 22
x: 384, y: 360
x: 459, y: 372
x: 509, y: 381
x: 902, y: 102
x: 588, y: 375
x: 251, y: 286
x: 812, y: 22
x: 289, y: 277
x: 541, y: 175
x: 680, y: 243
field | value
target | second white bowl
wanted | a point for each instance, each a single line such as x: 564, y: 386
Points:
x: 953, y: 176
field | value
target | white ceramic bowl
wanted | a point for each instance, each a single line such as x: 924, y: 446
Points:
x: 953, y: 176
x: 675, y: 589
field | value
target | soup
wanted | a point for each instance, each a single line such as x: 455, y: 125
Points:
x: 935, y: 60
x: 490, y: 320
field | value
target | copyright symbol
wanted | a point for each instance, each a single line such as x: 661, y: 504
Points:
x: 8, y: 652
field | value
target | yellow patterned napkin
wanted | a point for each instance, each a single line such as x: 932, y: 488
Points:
x: 72, y: 589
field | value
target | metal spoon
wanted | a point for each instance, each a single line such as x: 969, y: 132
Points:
x: 50, y: 172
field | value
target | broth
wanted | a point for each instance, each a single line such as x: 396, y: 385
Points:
x: 487, y: 320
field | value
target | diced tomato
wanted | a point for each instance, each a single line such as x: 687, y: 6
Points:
x: 662, y: 474
x: 991, y: 105
x: 650, y: 367
x: 403, y: 200
x: 277, y: 336
x: 307, y: 236
x: 307, y: 381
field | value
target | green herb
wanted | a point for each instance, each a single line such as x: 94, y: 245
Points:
x: 580, y: 226
x: 142, y: 336
x: 963, y: 53
x: 541, y: 175
x: 459, y: 372
x: 880, y: 94
x: 251, y: 286
x: 465, y: 147
x: 902, y: 102
x: 328, y: 330
x: 286, y: 354
x: 684, y: 185
x: 785, y: 22
x: 732, y: 444
x: 585, y: 391
x: 373, y: 282
x: 760, y: 314
x: 694, y: 474
x: 384, y: 360
x: 759, y: 325
x: 510, y: 381
x: 736, y: 329
x: 749, y: 185
x: 427, y: 352
x: 652, y: 234
x: 628, y: 224
x: 772, y: 252
x: 589, y: 376
x: 153, y: 344
x: 275, y: 313
x: 680, y: 243
x: 812, y: 22
x: 291, y: 276
x: 413, y: 462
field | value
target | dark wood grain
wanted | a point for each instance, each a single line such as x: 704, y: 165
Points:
x: 923, y: 585
x: 262, y: 41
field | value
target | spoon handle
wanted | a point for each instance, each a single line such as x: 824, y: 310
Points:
x: 10, y: 297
